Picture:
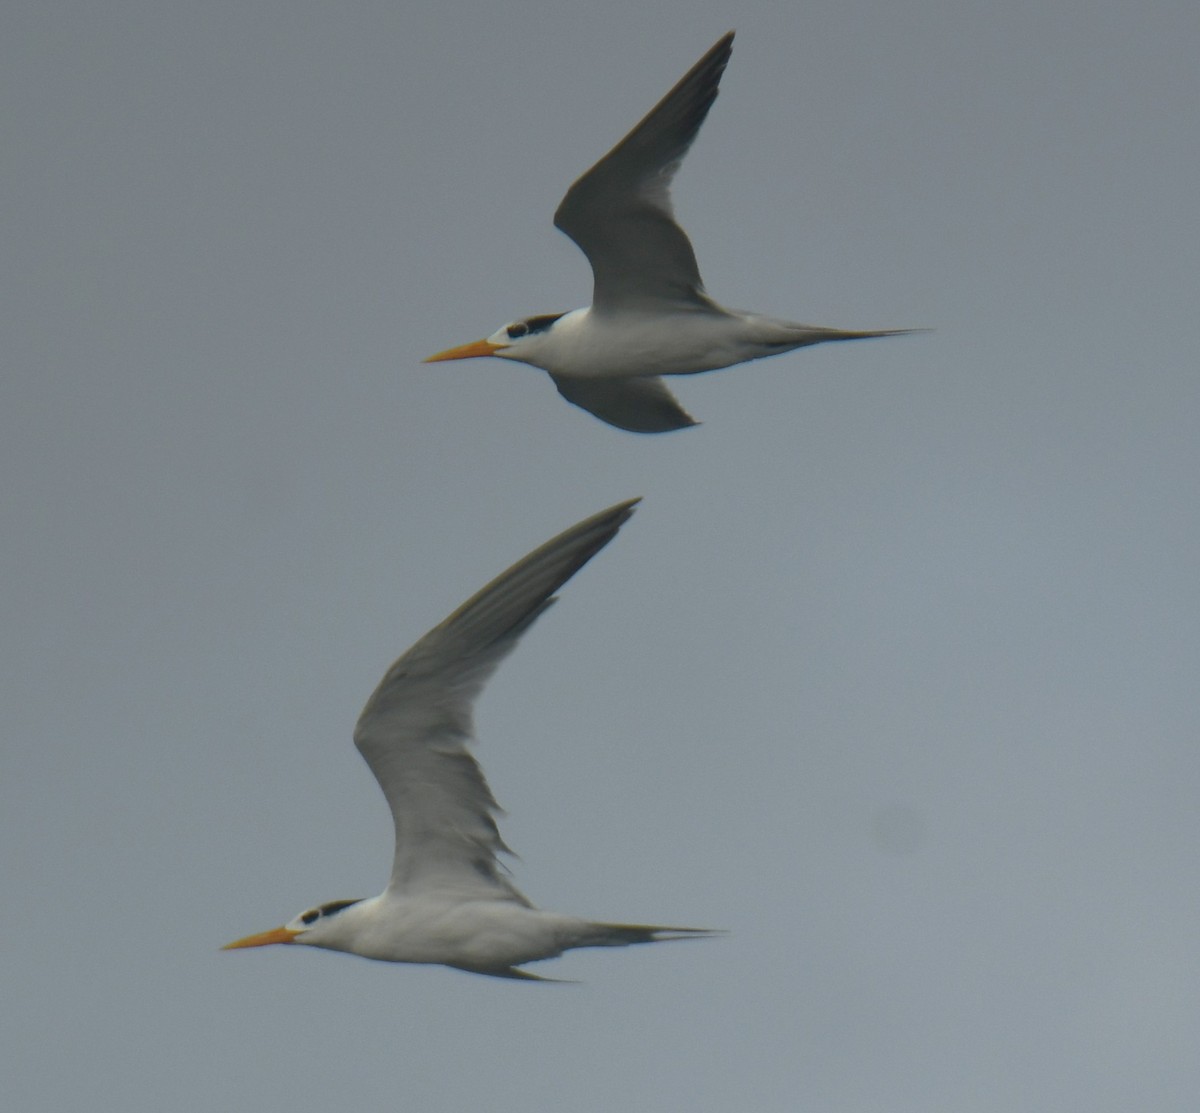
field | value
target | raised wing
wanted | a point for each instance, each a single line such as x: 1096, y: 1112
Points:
x: 619, y: 212
x: 416, y: 726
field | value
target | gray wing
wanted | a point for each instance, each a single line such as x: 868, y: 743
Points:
x: 641, y: 405
x: 415, y: 728
x: 619, y: 212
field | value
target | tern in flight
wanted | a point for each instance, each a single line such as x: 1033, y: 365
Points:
x: 649, y: 315
x: 450, y: 900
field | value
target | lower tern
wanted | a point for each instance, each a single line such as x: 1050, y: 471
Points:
x: 450, y: 900
x: 649, y: 315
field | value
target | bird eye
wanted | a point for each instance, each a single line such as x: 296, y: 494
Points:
x: 310, y: 917
x: 517, y: 330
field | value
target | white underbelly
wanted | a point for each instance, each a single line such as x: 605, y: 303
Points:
x: 483, y: 934
x: 681, y: 344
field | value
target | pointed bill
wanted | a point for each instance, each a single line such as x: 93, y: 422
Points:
x: 275, y: 935
x: 466, y: 351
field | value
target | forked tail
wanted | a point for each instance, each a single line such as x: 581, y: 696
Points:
x: 625, y: 935
x: 815, y: 334
x: 589, y: 934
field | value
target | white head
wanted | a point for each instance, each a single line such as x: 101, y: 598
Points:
x: 316, y: 927
x: 519, y: 340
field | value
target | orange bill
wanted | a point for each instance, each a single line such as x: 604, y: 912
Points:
x: 466, y: 351
x: 275, y: 935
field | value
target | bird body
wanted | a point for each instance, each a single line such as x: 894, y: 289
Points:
x: 650, y: 315
x: 449, y: 899
x: 479, y: 934
x: 584, y: 344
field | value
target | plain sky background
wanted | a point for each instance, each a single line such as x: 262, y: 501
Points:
x: 894, y: 673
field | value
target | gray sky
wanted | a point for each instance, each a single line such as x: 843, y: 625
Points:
x: 893, y: 674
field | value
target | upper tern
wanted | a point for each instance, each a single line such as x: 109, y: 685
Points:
x: 450, y: 900
x: 649, y: 315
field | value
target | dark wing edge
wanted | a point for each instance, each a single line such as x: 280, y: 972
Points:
x: 678, y: 115
x: 480, y: 632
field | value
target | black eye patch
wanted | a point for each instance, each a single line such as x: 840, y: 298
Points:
x: 310, y: 917
x: 531, y: 324
x: 540, y: 324
x: 335, y: 906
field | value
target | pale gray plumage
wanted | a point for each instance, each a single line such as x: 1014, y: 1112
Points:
x: 415, y: 728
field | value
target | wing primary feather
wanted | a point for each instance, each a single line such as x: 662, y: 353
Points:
x: 505, y: 608
x: 670, y: 127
